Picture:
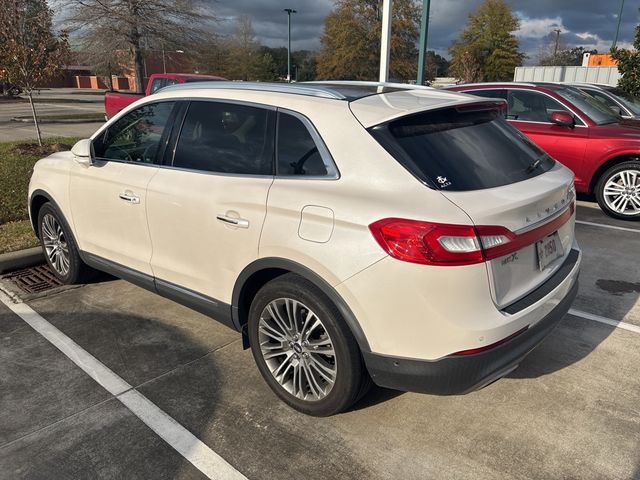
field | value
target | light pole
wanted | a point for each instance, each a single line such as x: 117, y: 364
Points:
x: 385, y: 41
x: 424, y: 35
x: 289, y: 12
x: 555, y: 50
x: 615, y: 40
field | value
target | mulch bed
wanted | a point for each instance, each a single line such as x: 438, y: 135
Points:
x: 35, y: 149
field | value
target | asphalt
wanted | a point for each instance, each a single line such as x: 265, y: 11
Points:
x: 66, y: 102
x: 569, y: 411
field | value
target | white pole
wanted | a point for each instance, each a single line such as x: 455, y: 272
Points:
x: 385, y: 41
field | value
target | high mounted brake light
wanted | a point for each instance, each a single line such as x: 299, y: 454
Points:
x: 431, y: 243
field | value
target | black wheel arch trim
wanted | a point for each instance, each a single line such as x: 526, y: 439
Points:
x: 307, y: 273
x: 34, y: 219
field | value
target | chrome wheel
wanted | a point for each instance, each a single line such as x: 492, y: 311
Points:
x: 297, y: 349
x: 55, y: 244
x: 622, y: 192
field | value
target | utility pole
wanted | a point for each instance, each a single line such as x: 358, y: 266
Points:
x: 615, y: 40
x: 289, y: 12
x: 555, y: 50
x: 424, y: 36
x: 385, y: 41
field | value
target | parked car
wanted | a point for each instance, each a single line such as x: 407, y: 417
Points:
x: 114, y: 102
x: 618, y: 101
x: 350, y: 231
x: 576, y: 129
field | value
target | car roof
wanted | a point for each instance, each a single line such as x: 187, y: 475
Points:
x: 371, y: 102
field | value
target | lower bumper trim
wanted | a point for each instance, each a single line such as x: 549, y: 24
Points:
x: 458, y: 375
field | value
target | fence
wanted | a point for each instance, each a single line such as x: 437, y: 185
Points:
x: 602, y: 75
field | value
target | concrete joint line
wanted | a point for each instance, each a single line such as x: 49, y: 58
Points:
x: 178, y: 437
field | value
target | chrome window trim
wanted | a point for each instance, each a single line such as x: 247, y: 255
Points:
x: 332, y: 169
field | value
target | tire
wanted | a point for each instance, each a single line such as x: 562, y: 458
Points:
x: 60, y: 248
x: 618, y: 191
x: 313, y: 393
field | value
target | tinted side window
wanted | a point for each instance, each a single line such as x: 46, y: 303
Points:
x: 157, y: 84
x: 226, y: 138
x: 606, y: 100
x: 488, y: 93
x: 137, y: 136
x: 298, y: 153
x: 531, y: 106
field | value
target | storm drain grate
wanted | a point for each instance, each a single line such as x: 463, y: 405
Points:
x: 35, y: 280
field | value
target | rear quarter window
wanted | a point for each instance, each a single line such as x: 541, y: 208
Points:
x: 462, y: 150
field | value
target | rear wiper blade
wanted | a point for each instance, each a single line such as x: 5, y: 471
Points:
x: 535, y: 164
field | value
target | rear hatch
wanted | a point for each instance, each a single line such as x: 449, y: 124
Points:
x: 519, y: 199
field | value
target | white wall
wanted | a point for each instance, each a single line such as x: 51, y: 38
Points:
x: 603, y: 75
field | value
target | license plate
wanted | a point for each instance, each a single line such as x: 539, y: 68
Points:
x: 549, y: 248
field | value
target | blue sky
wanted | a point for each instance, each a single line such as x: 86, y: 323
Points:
x: 590, y: 23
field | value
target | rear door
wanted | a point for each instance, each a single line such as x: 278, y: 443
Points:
x: 109, y: 198
x: 529, y: 112
x: 206, y: 206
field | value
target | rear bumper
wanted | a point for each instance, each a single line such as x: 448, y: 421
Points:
x: 462, y: 374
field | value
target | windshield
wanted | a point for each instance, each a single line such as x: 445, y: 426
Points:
x: 630, y: 101
x: 595, y: 109
x: 462, y: 150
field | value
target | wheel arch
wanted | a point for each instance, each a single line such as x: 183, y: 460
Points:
x: 595, y: 178
x: 261, y: 271
x: 36, y: 201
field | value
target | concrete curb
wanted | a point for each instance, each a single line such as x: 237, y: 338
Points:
x: 21, y: 259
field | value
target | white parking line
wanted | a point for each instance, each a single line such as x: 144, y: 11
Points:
x: 604, y: 225
x: 179, y: 438
x: 608, y: 321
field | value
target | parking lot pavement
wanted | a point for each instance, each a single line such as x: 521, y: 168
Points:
x: 14, y: 131
x: 569, y: 411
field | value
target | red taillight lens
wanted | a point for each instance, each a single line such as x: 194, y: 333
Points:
x: 428, y: 243
x: 443, y: 244
x: 474, y: 351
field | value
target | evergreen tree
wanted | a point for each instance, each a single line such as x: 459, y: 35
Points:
x: 351, y: 41
x: 629, y: 66
x: 489, y: 44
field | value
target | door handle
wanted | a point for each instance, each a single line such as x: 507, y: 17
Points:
x: 128, y: 197
x: 236, y: 222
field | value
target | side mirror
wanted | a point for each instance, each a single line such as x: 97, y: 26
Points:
x: 82, y: 152
x: 564, y: 119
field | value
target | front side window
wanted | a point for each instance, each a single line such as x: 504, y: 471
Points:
x: 299, y: 153
x: 136, y: 137
x: 529, y: 106
x: 462, y: 150
x: 226, y: 138
x: 613, y: 106
x: 593, y: 108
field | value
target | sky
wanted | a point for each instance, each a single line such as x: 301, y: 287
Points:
x: 588, y: 23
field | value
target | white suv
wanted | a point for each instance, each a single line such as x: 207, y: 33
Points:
x: 351, y: 231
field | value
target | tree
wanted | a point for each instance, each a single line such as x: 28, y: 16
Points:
x: 243, y: 50
x: 351, y: 40
x: 435, y: 65
x: 629, y: 66
x: 564, y: 56
x: 133, y: 25
x: 30, y: 52
x: 488, y: 41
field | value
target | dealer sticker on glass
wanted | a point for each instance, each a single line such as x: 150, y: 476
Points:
x: 549, y: 248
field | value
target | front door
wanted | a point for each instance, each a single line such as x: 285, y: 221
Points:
x: 206, y: 207
x: 529, y: 111
x: 109, y: 198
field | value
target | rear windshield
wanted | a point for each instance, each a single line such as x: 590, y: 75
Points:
x: 462, y: 150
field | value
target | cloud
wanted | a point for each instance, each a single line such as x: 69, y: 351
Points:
x: 538, y: 27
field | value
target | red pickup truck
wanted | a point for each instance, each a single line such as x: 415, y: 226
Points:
x: 116, y: 101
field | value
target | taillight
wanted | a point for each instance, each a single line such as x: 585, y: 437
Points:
x: 431, y: 243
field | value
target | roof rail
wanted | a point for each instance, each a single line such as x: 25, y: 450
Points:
x: 297, y: 89
x: 363, y: 83
x: 526, y: 84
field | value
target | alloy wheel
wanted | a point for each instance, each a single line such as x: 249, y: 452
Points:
x: 297, y: 349
x: 55, y: 244
x: 622, y: 192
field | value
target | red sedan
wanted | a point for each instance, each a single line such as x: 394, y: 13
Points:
x: 602, y: 149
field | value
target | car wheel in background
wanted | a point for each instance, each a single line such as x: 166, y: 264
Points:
x: 303, y: 348
x: 618, y: 191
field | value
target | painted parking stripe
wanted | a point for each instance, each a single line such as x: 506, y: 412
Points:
x: 608, y: 321
x: 604, y: 225
x: 179, y: 438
